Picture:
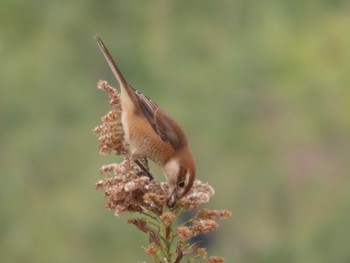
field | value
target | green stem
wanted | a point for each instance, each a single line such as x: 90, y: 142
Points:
x: 150, y: 216
x: 167, y: 239
x: 192, y: 259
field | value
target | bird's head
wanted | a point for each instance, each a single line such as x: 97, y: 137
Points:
x: 180, y: 174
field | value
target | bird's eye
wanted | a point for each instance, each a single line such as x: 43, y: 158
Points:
x: 181, y: 184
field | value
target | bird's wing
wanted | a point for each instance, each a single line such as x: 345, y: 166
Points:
x: 162, y: 124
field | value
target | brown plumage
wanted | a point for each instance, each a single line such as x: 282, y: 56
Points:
x: 152, y: 133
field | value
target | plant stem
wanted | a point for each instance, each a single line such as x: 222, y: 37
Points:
x: 167, y: 237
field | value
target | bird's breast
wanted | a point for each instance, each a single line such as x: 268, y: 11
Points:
x: 143, y: 140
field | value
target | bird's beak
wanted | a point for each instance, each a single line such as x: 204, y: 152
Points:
x: 171, y: 200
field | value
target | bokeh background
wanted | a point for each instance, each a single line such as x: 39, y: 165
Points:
x: 261, y: 87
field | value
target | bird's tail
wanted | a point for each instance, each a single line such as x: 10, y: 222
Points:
x: 116, y: 71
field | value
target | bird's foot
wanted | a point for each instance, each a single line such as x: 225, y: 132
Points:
x: 144, y: 171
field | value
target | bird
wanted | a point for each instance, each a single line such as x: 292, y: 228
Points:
x: 152, y: 133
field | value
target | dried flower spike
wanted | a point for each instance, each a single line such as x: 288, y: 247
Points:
x: 128, y: 192
x: 110, y: 132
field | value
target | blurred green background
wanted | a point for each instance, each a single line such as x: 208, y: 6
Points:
x: 261, y: 87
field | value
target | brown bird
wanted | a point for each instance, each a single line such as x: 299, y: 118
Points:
x: 152, y: 133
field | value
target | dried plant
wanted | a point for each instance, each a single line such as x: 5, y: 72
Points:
x: 127, y: 191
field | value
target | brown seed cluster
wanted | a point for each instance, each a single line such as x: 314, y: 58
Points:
x: 213, y: 214
x: 110, y: 132
x: 213, y: 259
x: 151, y: 250
x: 128, y: 191
x: 200, y: 193
x: 185, y: 233
x: 167, y: 218
x: 201, y: 226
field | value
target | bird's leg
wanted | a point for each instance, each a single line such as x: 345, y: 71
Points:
x: 144, y: 170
